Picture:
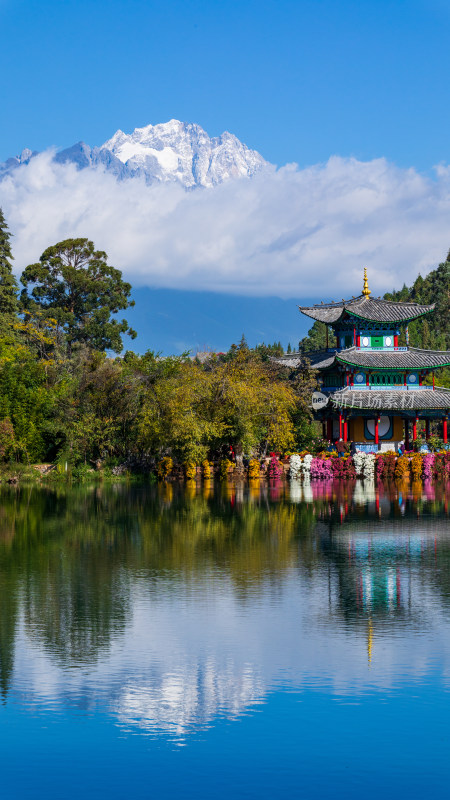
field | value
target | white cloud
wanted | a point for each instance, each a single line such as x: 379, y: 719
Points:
x: 289, y: 232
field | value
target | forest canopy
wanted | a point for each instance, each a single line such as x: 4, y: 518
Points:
x: 66, y: 395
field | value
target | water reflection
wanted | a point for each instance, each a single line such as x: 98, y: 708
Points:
x: 171, y: 607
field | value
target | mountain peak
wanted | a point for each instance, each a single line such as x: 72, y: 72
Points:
x: 183, y: 152
x: 173, y: 151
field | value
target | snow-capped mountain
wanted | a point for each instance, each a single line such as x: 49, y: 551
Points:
x: 171, y: 151
x: 184, y: 152
x: 11, y: 163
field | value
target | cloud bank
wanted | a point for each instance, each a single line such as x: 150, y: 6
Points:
x: 289, y: 232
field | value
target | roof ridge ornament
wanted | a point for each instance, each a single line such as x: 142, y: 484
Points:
x: 366, y: 291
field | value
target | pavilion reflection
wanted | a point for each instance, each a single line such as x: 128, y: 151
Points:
x: 389, y: 571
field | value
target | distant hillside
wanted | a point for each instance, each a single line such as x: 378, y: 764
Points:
x: 171, y: 321
x: 432, y: 331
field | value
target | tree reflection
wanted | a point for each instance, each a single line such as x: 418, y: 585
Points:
x: 72, y: 560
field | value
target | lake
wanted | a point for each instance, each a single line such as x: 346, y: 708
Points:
x: 216, y: 642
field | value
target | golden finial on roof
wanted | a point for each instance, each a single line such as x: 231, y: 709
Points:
x: 366, y: 291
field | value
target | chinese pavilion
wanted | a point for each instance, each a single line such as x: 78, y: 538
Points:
x: 376, y: 389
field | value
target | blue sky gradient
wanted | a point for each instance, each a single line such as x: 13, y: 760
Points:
x: 297, y: 80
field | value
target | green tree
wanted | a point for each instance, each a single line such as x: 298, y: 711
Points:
x: 432, y: 331
x: 251, y: 403
x: 8, y: 283
x: 74, y: 284
x: 175, y: 414
x: 97, y: 413
x: 317, y: 338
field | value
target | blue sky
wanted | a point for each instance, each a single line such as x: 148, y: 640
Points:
x: 297, y: 80
x: 354, y: 93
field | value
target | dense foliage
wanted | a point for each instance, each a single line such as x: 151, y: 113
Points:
x: 430, y: 332
x: 64, y: 398
x: 8, y: 283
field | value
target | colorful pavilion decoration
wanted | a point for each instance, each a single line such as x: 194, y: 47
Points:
x: 375, y: 389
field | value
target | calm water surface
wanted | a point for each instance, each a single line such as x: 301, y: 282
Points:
x: 255, y: 642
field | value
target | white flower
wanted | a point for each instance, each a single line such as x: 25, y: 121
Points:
x: 295, y: 466
x: 306, y: 464
x: 364, y: 464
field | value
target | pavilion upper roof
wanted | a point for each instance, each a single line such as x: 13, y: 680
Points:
x: 372, y: 309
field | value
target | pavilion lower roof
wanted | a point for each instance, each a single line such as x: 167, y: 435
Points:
x: 370, y: 309
x: 395, y: 400
x: 412, y: 358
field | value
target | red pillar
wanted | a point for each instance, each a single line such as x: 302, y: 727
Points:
x: 367, y: 378
x: 433, y: 381
x: 420, y: 379
x: 329, y: 430
x: 427, y: 429
x: 377, y: 419
x: 345, y: 430
x: 340, y: 424
x: 404, y: 379
x: 358, y: 340
x: 416, y: 418
x: 395, y: 339
x: 444, y: 429
x: 354, y: 335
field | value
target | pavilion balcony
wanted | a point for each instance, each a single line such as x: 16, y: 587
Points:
x: 377, y: 349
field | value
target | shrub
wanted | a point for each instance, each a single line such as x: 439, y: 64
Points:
x: 402, y: 467
x: 364, y: 464
x: 435, y: 443
x: 306, y: 465
x: 295, y: 466
x: 442, y: 465
x: 428, y: 465
x: 7, y: 439
x: 275, y: 469
x: 416, y: 466
x: 343, y: 468
x: 322, y: 468
x: 385, y: 465
x: 226, y: 466
x: 254, y: 469
x: 165, y: 467
x: 190, y: 470
x: 206, y: 470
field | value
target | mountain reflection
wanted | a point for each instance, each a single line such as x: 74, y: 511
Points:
x: 169, y: 607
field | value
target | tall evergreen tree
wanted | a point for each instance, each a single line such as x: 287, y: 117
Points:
x: 73, y: 284
x: 8, y: 283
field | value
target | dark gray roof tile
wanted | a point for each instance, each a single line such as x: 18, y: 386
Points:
x: 372, y: 309
x: 318, y: 359
x: 413, y: 358
x: 395, y: 400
